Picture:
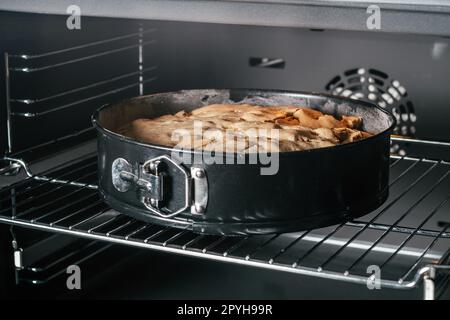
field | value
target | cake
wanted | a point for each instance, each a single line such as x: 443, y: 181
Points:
x: 247, y: 128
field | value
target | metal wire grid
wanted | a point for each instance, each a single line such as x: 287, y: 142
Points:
x: 26, y: 107
x: 401, y: 237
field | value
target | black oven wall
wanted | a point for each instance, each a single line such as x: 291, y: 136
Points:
x: 7, y: 272
x: 404, y: 73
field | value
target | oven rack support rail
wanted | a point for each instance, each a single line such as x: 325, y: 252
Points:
x: 30, y: 107
x: 65, y: 200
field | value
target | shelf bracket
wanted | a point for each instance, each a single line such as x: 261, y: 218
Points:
x: 18, y: 253
x: 429, y: 274
x: 429, y: 289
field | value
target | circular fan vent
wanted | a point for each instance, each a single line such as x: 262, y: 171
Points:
x: 377, y: 87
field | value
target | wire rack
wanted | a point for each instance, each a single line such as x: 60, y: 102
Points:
x: 406, y: 234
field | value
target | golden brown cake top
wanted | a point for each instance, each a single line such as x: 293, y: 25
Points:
x: 247, y: 128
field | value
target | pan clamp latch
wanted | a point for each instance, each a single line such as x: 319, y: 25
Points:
x: 149, y: 178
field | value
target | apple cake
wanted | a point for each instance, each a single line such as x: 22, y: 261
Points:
x: 247, y: 128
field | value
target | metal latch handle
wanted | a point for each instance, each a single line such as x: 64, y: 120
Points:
x: 149, y: 180
x: 151, y: 203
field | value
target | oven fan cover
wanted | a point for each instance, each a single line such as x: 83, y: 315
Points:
x: 378, y: 87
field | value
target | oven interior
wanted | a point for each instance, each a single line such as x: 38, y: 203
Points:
x: 53, y: 78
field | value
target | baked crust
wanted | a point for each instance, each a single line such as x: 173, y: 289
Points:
x: 247, y: 128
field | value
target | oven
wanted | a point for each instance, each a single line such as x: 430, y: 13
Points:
x: 62, y: 61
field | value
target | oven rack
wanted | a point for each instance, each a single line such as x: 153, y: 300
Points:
x: 407, y: 238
